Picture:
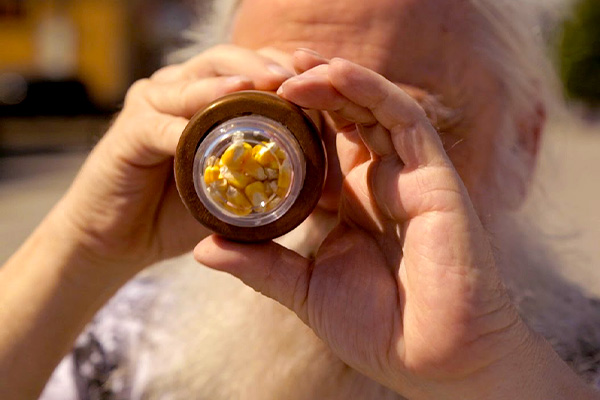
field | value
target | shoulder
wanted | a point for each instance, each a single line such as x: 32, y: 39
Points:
x: 105, y: 360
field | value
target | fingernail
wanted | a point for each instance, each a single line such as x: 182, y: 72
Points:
x: 237, y: 80
x: 279, y: 70
x: 280, y: 90
x: 305, y: 76
x: 310, y: 51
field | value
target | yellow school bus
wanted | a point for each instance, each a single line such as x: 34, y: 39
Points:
x: 76, y: 40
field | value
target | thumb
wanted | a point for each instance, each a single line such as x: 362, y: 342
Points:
x: 269, y: 268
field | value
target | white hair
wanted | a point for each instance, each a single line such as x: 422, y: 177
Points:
x: 206, y: 335
x: 517, y: 47
x: 212, y: 27
x: 512, y: 40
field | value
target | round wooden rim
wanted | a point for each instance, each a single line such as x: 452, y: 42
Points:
x: 241, y: 104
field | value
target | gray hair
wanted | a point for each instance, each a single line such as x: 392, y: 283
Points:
x: 513, y: 44
x: 517, y: 49
x: 212, y: 27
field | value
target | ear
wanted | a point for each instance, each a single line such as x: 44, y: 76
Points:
x: 529, y: 129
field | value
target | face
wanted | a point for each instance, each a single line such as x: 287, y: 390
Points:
x: 423, y: 43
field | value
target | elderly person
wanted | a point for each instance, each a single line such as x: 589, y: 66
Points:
x: 408, y: 281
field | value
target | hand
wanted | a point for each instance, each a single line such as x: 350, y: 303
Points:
x: 123, y: 207
x: 405, y: 288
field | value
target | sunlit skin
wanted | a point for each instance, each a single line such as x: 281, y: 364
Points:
x: 404, y: 289
x: 426, y: 44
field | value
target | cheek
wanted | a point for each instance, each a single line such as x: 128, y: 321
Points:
x: 461, y: 154
x: 472, y: 154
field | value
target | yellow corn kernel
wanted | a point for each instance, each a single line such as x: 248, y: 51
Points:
x: 276, y: 151
x: 257, y: 148
x: 237, y: 202
x: 280, y: 155
x: 264, y: 156
x: 285, y: 178
x: 235, y: 155
x: 236, y: 178
x: 211, y: 174
x: 254, y: 169
x: 255, y: 192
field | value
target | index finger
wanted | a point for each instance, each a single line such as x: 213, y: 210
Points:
x: 228, y: 60
x: 367, y: 98
x: 415, y: 140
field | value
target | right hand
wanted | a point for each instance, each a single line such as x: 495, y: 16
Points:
x: 123, y: 208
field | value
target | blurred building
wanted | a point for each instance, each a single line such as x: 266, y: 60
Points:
x: 79, y: 56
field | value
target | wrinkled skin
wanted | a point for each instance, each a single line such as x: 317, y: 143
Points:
x: 404, y: 289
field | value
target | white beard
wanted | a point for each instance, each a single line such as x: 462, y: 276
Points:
x: 182, y: 331
x: 208, y: 336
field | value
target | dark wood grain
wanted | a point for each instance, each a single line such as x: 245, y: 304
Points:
x: 242, y: 104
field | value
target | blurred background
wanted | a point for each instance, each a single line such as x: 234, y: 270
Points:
x: 66, y: 64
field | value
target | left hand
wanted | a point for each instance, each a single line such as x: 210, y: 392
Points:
x: 405, y: 288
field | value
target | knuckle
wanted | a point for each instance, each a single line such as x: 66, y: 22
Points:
x: 165, y: 72
x: 184, y: 98
x: 137, y: 91
x: 211, y: 53
x: 163, y: 127
x: 221, y: 48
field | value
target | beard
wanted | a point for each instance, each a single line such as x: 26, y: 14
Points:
x: 180, y: 330
x: 536, y: 268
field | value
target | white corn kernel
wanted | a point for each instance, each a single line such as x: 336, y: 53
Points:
x: 236, y: 178
x: 272, y: 173
x: 237, y: 202
x: 255, y: 192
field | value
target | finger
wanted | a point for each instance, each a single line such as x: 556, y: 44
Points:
x: 353, y: 149
x: 188, y: 231
x: 146, y: 140
x: 404, y: 194
x: 227, y: 60
x: 442, y: 117
x: 185, y: 98
x: 313, y: 89
x: 170, y: 73
x: 414, y: 138
x: 280, y: 57
x: 365, y: 97
x: 305, y: 59
x: 376, y: 138
x: 269, y: 268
